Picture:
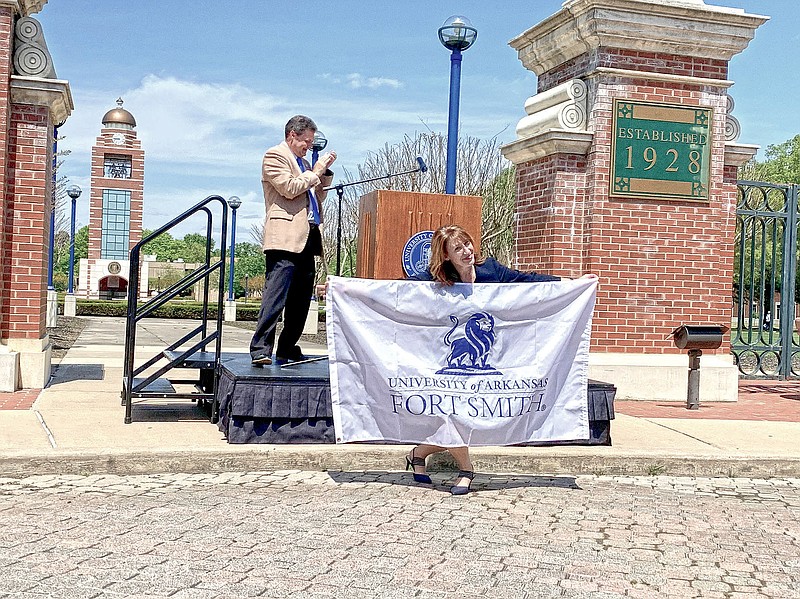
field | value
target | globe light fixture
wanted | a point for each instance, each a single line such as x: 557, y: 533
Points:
x: 319, y: 143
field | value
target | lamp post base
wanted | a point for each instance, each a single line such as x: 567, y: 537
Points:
x: 52, y: 308
x: 69, y: 305
x: 230, y: 310
x: 311, y: 326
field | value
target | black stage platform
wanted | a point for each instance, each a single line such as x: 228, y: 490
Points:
x: 292, y: 404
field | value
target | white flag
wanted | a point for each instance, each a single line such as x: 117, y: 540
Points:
x: 480, y: 364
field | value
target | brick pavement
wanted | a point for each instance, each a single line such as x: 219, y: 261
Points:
x: 764, y: 400
x: 373, y: 534
x: 19, y: 400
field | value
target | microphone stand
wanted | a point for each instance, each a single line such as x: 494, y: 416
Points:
x: 339, y: 187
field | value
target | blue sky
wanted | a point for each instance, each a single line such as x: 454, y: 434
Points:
x: 211, y: 82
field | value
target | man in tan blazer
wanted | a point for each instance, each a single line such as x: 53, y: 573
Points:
x: 293, y: 193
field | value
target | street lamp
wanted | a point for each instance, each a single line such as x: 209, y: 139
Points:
x: 456, y: 34
x: 319, y: 143
x: 234, y: 202
x: 50, y: 286
x: 74, y: 192
x: 52, y: 295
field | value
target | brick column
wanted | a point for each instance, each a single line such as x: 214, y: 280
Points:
x: 36, y: 104
x: 662, y: 261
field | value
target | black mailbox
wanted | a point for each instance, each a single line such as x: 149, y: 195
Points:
x: 695, y: 338
x: 690, y: 336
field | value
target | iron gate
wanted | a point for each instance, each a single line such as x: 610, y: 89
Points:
x: 764, y: 341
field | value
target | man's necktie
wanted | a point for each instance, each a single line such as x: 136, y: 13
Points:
x: 312, y: 199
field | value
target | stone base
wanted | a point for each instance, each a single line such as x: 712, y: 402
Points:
x: 52, y: 308
x: 9, y: 371
x: 664, y: 377
x: 312, y: 320
x: 230, y: 310
x: 70, y: 304
x: 34, y: 361
x: 35, y: 368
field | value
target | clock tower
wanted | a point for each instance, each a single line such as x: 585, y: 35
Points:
x: 115, y: 206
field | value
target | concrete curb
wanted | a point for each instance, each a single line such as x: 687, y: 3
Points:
x: 519, y: 461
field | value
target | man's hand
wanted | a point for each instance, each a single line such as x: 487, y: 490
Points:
x: 324, y: 162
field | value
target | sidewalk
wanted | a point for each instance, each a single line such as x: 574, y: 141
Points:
x: 75, y: 425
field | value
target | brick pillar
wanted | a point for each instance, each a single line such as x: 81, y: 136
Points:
x: 36, y: 104
x: 27, y: 228
x: 663, y: 260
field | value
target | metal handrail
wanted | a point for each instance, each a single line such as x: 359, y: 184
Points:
x: 135, y: 313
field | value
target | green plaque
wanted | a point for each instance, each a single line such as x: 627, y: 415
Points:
x: 660, y: 150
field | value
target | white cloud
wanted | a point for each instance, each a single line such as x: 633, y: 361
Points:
x: 356, y: 80
x: 208, y: 138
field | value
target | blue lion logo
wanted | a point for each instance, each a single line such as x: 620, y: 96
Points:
x: 470, y: 352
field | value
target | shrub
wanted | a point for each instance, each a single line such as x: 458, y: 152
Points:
x: 177, y: 309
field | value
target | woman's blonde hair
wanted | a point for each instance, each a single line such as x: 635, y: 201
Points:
x: 442, y: 269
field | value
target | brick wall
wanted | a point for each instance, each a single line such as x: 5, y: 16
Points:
x: 551, y: 214
x: 26, y: 229
x: 646, y: 62
x: 661, y: 262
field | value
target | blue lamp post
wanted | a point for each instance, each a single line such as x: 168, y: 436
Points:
x: 50, y: 286
x: 457, y: 34
x: 234, y: 202
x: 74, y: 192
x: 319, y: 143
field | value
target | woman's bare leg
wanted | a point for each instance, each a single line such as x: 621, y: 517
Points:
x: 461, y: 456
x: 423, y: 451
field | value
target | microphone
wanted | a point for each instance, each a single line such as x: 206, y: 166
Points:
x: 422, y: 166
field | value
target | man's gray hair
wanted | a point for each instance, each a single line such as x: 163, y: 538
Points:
x: 299, y: 124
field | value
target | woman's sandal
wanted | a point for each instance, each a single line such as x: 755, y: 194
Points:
x: 415, y: 461
x: 463, y: 489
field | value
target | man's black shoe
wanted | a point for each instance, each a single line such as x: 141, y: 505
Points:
x: 261, y: 361
x: 295, y: 354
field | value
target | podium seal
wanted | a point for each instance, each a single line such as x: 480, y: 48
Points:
x: 417, y: 253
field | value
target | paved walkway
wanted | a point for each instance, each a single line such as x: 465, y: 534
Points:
x: 75, y: 425
x: 163, y: 507
x: 360, y: 535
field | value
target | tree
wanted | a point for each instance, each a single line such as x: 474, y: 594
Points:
x: 193, y: 247
x: 782, y: 164
x: 482, y: 171
x: 164, y: 247
x: 249, y: 262
x: 759, y: 241
x: 62, y: 214
x: 61, y: 261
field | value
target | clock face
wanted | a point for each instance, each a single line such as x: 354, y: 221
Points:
x: 118, y: 138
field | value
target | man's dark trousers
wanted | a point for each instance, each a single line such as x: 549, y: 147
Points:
x: 288, y: 285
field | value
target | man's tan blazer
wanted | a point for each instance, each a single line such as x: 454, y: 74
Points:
x: 286, y: 198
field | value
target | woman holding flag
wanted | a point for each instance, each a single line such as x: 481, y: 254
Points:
x: 454, y: 260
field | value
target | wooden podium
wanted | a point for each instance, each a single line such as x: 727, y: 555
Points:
x: 388, y: 219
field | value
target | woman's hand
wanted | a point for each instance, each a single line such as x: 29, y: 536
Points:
x: 322, y: 290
